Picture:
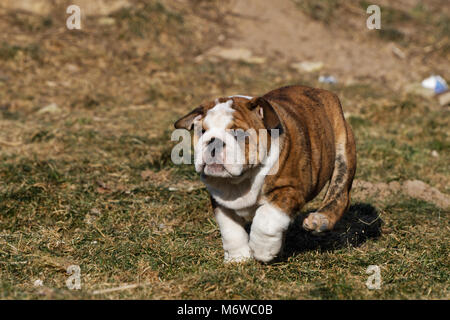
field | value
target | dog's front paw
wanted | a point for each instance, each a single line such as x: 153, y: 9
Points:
x: 240, y: 256
x: 316, y: 222
x: 261, y: 254
x: 265, y: 248
x: 267, y: 232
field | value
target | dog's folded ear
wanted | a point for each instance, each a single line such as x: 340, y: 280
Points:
x: 187, y: 121
x: 266, y: 111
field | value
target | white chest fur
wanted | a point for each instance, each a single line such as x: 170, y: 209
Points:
x: 240, y: 197
x: 243, y: 197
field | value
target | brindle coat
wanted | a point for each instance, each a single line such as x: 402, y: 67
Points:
x: 317, y: 146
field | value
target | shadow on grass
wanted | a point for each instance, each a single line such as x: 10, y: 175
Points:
x: 360, y: 223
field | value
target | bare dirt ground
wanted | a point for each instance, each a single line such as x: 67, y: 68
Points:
x: 85, y: 123
x: 277, y: 30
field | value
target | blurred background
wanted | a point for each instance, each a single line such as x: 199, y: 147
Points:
x: 86, y: 117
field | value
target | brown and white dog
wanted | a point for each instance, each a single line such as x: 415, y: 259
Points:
x: 315, y: 145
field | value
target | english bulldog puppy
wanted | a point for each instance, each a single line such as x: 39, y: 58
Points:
x: 308, y: 144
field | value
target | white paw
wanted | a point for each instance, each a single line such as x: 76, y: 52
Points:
x: 267, y: 232
x: 240, y: 256
x: 265, y: 247
x: 316, y: 222
x: 263, y: 255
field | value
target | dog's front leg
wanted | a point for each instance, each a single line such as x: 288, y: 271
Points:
x: 234, y: 236
x: 267, y: 232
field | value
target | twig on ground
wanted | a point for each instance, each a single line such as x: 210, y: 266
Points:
x: 10, y: 144
x: 120, y: 288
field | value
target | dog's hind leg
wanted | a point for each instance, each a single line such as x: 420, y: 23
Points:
x: 337, y: 197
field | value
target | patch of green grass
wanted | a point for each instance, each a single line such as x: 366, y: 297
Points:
x: 7, y: 114
x: 358, y: 122
x: 360, y: 90
x: 97, y: 212
x: 154, y: 94
x: 152, y: 233
x: 30, y: 23
x: 9, y: 52
x: 391, y: 15
x: 30, y: 171
x: 151, y: 18
x: 390, y: 34
x: 43, y: 135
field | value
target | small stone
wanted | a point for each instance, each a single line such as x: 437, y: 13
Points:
x: 51, y: 108
x: 72, y: 67
x: 232, y: 53
x: 106, y: 21
x: 307, y: 66
x: 434, y: 154
x: 95, y: 211
x: 444, y: 98
x: 236, y: 54
x: 38, y: 283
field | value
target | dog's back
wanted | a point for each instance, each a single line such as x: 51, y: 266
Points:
x: 320, y: 148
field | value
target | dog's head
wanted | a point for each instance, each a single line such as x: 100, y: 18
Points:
x: 231, y: 135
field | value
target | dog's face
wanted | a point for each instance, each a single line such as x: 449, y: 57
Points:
x: 231, y: 135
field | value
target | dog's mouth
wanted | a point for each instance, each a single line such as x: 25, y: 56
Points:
x: 218, y: 173
x: 216, y: 170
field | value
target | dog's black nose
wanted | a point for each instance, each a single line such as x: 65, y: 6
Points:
x: 214, y: 145
x: 217, y: 143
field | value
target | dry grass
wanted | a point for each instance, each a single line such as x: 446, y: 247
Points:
x: 93, y: 185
